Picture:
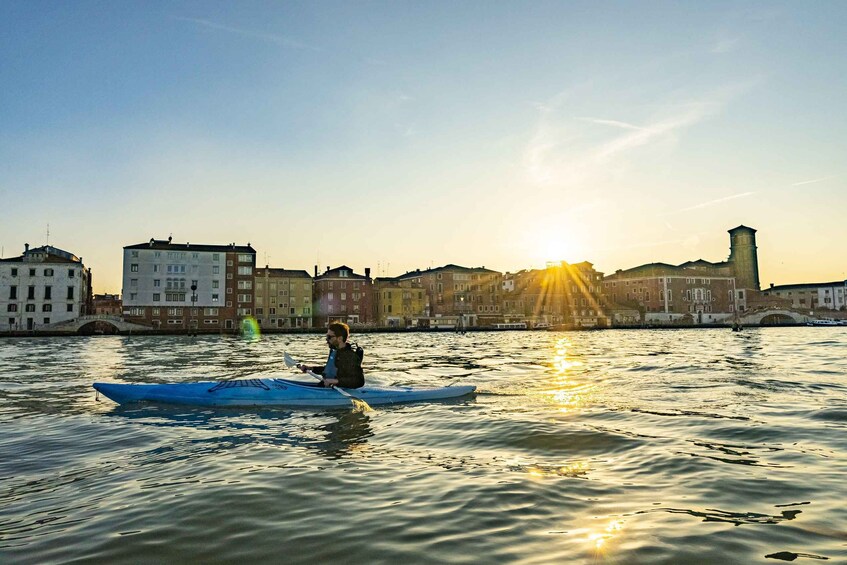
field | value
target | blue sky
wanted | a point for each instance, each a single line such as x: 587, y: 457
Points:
x: 401, y: 135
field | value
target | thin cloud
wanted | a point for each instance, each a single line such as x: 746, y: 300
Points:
x: 276, y: 39
x: 562, y: 152
x: 613, y: 123
x: 801, y: 183
x: 712, y: 202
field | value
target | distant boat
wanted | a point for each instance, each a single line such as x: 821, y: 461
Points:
x: 823, y: 322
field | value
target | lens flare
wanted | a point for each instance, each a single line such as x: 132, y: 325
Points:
x: 250, y: 329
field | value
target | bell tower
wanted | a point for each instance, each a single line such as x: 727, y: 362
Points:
x: 743, y: 257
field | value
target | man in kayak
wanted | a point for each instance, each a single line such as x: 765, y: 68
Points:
x: 344, y: 365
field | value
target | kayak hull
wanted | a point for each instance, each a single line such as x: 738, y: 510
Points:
x: 269, y: 392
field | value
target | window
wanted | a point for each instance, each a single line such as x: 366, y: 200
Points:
x: 30, y: 307
x: 133, y: 253
x: 195, y: 255
x: 229, y: 263
x: 229, y: 290
x: 245, y: 297
x: 12, y: 308
x: 215, y: 298
x: 47, y: 308
x: 155, y: 268
x: 32, y: 272
x: 210, y: 311
x: 133, y: 268
x: 229, y: 276
x: 243, y: 271
x: 344, y: 295
x: 46, y: 320
x: 245, y: 285
x: 48, y: 292
x: 14, y: 272
x: 70, y: 307
x: 155, y: 311
x: 329, y: 296
x: 156, y: 296
x: 292, y: 311
x: 13, y: 292
x: 216, y: 284
x: 245, y: 258
x: 70, y: 293
x: 133, y: 282
x: 133, y: 296
x: 174, y: 311
x: 49, y: 273
x: 216, y: 256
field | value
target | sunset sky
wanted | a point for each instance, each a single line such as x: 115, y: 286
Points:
x: 403, y: 135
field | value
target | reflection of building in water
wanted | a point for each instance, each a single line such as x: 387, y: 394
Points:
x: 698, y: 291
x: 812, y: 296
x: 560, y: 294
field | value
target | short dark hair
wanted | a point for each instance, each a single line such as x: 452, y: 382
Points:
x: 340, y: 329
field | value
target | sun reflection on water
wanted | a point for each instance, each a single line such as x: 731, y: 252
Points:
x: 599, y: 539
x: 565, y: 395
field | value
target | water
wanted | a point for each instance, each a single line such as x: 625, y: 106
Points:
x: 686, y: 446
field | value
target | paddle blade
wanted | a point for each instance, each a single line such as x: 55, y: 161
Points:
x: 289, y: 361
x: 361, y: 406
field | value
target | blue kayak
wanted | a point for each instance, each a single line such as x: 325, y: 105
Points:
x: 269, y: 392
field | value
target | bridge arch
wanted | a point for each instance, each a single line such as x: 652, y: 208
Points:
x: 98, y: 327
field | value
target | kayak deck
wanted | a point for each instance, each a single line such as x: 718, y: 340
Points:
x: 269, y: 392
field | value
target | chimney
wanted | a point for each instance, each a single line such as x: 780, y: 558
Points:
x: 170, y: 237
x: 367, y: 272
x: 327, y: 268
x: 316, y: 270
x: 151, y: 241
x: 26, y: 247
x: 771, y: 285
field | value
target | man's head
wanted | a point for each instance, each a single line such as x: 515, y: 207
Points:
x: 337, y: 334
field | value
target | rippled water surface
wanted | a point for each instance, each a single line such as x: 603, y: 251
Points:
x: 685, y: 446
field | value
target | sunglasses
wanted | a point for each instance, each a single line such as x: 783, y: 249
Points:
x: 330, y: 337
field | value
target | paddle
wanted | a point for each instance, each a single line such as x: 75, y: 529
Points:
x: 358, y: 403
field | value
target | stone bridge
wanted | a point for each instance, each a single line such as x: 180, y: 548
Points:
x: 73, y: 326
x: 774, y: 316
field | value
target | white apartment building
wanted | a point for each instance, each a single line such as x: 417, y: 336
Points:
x: 185, y: 285
x: 812, y: 296
x: 44, y: 286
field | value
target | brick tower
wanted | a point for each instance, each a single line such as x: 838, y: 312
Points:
x: 743, y: 257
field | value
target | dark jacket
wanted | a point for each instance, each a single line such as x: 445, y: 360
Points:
x: 349, y: 368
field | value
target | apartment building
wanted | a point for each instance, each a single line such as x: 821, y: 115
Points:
x: 812, y: 296
x: 561, y: 294
x: 674, y: 294
x: 283, y: 298
x: 43, y: 286
x: 188, y: 286
x: 399, y: 301
x: 468, y: 294
x: 341, y: 294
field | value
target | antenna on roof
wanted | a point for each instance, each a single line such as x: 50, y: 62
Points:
x: 48, y: 234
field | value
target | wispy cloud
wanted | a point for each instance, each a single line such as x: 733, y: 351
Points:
x: 801, y: 183
x: 274, y: 38
x: 714, y: 202
x: 613, y: 123
x: 566, y: 151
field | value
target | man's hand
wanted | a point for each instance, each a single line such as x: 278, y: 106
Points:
x: 330, y: 382
x: 304, y: 368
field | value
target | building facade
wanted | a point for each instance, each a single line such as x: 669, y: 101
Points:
x: 342, y: 295
x: 812, y: 296
x: 561, y: 294
x: 43, y: 286
x: 667, y: 294
x: 283, y: 298
x: 107, y: 305
x: 188, y: 286
x: 468, y: 296
x: 399, y: 302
